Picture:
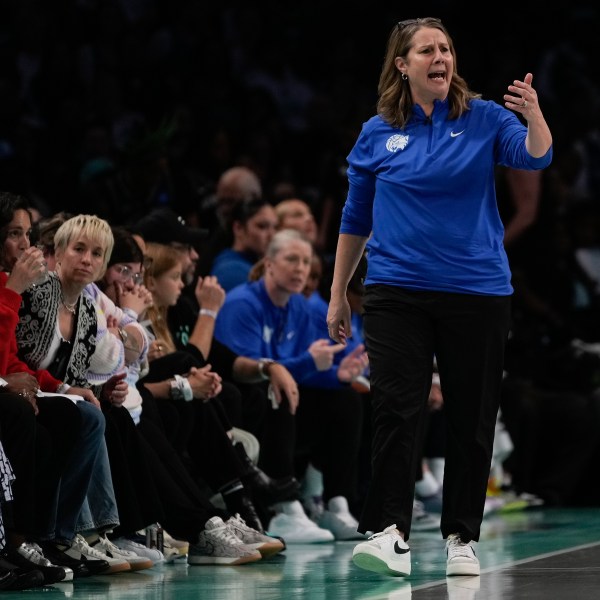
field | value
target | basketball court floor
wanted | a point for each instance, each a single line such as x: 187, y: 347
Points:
x: 537, y: 554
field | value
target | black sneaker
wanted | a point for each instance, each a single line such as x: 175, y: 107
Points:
x: 7, y: 578
x: 30, y: 557
x: 81, y: 566
x: 23, y: 579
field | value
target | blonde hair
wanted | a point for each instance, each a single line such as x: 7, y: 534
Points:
x: 395, y: 101
x: 281, y: 239
x: 90, y: 226
x: 162, y: 259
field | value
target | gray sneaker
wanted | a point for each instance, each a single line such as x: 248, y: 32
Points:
x: 265, y: 544
x: 218, y: 545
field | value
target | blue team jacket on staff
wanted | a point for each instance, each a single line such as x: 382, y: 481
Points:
x: 251, y: 325
x: 427, y: 195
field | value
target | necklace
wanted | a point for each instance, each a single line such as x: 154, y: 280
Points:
x: 69, y: 307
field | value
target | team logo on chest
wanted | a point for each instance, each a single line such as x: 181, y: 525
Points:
x: 396, y: 142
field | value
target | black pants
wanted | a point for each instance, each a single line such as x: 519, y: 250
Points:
x: 326, y: 431
x: 38, y: 449
x: 329, y: 429
x: 197, y: 429
x: 137, y: 498
x: 186, y: 506
x: 404, y: 331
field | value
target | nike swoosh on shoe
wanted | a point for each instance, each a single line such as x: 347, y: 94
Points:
x: 399, y: 550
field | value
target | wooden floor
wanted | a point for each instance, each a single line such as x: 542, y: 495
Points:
x: 536, y: 554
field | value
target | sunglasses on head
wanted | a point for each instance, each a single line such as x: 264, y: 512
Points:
x: 402, y: 24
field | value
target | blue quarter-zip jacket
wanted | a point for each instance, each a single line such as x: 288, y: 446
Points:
x: 426, y: 196
x: 251, y: 325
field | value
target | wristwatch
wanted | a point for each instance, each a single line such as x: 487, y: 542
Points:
x: 264, y: 364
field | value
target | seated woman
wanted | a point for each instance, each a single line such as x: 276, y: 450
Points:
x: 251, y: 227
x: 270, y: 319
x: 52, y: 478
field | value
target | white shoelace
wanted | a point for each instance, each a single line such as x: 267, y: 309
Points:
x: 457, y: 548
x: 225, y: 534
x: 115, y: 550
x: 386, y: 531
x: 82, y: 546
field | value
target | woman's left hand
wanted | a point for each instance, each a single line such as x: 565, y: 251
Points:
x: 525, y: 101
x: 353, y: 364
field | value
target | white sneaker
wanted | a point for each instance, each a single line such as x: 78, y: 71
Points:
x: 174, y: 549
x: 385, y: 552
x: 339, y: 520
x: 115, y: 565
x: 136, y: 562
x: 156, y: 556
x: 461, y: 557
x: 265, y: 544
x: 422, y: 520
x: 295, y: 527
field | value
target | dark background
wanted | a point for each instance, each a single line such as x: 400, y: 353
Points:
x: 89, y: 86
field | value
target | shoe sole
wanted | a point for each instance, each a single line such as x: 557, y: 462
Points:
x: 208, y: 560
x: 141, y: 565
x: 458, y: 570
x: 116, y: 569
x: 372, y: 563
x: 270, y: 549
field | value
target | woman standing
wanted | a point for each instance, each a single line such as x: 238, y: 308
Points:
x: 422, y: 200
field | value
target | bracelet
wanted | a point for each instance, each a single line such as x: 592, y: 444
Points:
x: 185, y: 387
x: 175, y: 391
x: 208, y: 312
x: 264, y: 363
x: 62, y: 388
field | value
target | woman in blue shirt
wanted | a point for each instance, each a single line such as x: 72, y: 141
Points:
x: 422, y: 200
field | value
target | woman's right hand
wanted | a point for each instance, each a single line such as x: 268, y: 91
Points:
x: 339, y: 319
x: 26, y: 270
x: 209, y: 293
x: 25, y: 385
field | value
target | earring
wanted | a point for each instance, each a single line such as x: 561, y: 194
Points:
x: 404, y: 77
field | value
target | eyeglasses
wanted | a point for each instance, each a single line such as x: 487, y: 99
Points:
x: 126, y: 273
x: 402, y: 24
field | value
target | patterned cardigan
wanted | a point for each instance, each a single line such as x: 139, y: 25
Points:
x: 38, y: 317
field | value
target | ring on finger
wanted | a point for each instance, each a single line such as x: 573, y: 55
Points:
x: 524, y: 105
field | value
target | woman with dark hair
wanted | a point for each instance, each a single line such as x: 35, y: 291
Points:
x: 54, y: 472
x: 251, y: 227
